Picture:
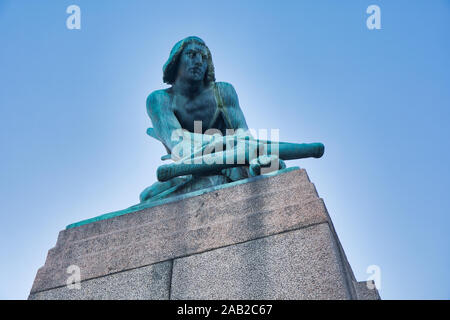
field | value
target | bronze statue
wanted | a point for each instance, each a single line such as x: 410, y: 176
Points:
x: 215, y: 145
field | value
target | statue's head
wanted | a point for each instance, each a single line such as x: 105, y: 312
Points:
x: 189, y: 58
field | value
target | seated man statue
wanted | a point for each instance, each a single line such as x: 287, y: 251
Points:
x: 193, y: 98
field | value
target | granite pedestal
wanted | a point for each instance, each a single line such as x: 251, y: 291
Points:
x: 268, y: 237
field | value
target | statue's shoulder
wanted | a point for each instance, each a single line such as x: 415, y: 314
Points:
x: 158, y: 99
x: 227, y: 92
x: 224, y: 86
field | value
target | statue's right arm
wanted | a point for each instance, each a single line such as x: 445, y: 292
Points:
x: 163, y: 117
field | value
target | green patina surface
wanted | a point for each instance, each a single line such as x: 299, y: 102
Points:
x: 144, y: 205
x: 200, y: 119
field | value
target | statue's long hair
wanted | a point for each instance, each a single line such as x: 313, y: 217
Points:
x: 170, y: 68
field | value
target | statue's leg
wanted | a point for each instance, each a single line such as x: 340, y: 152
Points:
x: 236, y: 173
x: 159, y: 187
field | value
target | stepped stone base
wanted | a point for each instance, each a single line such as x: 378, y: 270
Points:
x: 269, y: 237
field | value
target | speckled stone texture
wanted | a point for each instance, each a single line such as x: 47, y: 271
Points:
x: 268, y: 238
x: 300, y: 264
x: 146, y: 283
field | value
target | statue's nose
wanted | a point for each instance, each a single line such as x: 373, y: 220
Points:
x: 198, y: 59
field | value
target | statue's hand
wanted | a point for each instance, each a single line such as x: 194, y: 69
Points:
x: 265, y: 164
x: 194, y: 145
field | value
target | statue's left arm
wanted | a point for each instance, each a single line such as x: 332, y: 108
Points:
x: 233, y: 109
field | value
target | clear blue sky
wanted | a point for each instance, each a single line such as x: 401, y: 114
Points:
x: 73, y: 119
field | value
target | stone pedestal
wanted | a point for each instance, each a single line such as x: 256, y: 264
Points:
x: 268, y: 237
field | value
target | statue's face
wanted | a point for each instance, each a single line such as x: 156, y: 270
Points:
x: 193, y: 62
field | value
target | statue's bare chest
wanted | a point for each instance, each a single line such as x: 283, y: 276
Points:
x: 200, y: 108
